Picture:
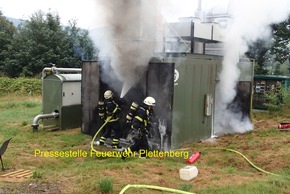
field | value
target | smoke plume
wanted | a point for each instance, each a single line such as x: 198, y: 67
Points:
x: 127, y: 38
x: 251, y: 21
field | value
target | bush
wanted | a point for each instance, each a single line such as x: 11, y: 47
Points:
x: 276, y: 101
x: 23, y: 86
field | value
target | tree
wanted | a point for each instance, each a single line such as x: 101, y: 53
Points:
x: 281, y: 46
x: 7, y: 31
x: 40, y: 41
x: 270, y: 54
x: 259, y: 51
x: 81, y: 42
x: 284, y: 68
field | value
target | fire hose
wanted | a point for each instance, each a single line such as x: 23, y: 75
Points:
x: 254, y: 166
x: 107, y: 120
x: 100, y: 129
x: 155, y: 188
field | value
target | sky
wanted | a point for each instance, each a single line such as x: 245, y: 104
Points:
x: 82, y: 11
x: 85, y: 11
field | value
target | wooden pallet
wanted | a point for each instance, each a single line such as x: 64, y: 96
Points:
x: 16, y: 176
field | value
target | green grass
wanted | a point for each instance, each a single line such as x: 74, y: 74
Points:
x: 106, y: 185
x: 257, y: 187
x: 230, y: 170
x: 185, y: 187
x: 37, y: 175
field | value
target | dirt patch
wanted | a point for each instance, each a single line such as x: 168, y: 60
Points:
x: 265, y: 124
x: 30, y: 187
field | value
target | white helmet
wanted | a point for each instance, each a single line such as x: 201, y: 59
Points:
x: 108, y: 94
x: 150, y: 101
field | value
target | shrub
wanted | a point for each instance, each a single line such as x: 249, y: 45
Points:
x: 276, y: 101
x: 20, y: 86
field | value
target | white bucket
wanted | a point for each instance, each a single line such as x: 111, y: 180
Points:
x: 187, y: 173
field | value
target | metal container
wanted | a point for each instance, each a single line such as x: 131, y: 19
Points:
x: 61, y: 93
x: 184, y: 86
x: 192, y: 103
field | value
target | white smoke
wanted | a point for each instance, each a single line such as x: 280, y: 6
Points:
x: 172, y: 10
x: 251, y: 21
x: 127, y: 38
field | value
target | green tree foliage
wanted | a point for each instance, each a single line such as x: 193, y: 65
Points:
x: 7, y: 31
x: 42, y: 40
x: 281, y: 47
x: 260, y: 52
x: 274, y: 52
x: 82, y: 44
x: 278, y: 99
x: 38, y: 42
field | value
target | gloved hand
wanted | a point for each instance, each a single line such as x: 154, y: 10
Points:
x: 148, y: 134
x: 121, y: 101
x: 128, y: 122
x: 145, y: 131
x: 135, y: 134
x: 108, y: 118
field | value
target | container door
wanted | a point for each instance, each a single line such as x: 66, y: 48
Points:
x: 160, y: 85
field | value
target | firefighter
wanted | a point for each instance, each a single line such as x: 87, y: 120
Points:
x: 108, y: 110
x: 138, y: 118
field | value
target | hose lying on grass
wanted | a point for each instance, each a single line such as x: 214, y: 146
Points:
x: 100, y: 129
x: 155, y: 188
x: 253, y: 165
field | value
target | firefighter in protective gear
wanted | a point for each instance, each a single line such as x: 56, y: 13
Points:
x: 108, y: 110
x: 138, y: 117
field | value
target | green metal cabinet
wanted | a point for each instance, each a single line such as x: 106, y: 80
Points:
x: 194, y: 84
x: 61, y: 93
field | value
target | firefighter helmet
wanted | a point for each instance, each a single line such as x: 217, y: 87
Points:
x: 150, y: 101
x: 108, y: 94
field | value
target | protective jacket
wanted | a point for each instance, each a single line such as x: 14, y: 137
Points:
x: 140, y: 120
x: 138, y: 117
x: 108, y: 111
x: 109, y: 108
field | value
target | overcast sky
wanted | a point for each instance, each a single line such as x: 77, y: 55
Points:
x: 82, y: 11
x: 85, y: 11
